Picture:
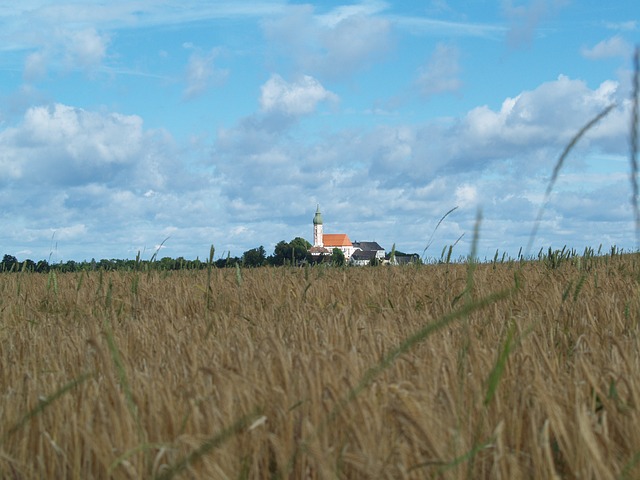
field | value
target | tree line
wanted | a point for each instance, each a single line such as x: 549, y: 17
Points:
x: 295, y: 252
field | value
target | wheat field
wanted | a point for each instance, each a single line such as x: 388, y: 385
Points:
x: 456, y: 371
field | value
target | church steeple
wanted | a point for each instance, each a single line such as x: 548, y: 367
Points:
x: 317, y: 228
x: 317, y: 220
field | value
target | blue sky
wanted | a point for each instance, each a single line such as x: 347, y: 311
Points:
x: 125, y: 123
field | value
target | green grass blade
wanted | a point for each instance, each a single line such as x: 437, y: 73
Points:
x: 498, y: 369
x: 434, y: 230
x: 209, y: 444
x: 418, y: 337
x: 558, y: 166
x: 633, y: 140
x: 129, y: 453
x: 122, y: 376
x: 44, y: 403
x: 628, y: 468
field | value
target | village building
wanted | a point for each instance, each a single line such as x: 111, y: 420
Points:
x: 367, y: 253
x: 362, y: 258
x: 324, y: 243
x: 370, y: 247
x: 407, y: 259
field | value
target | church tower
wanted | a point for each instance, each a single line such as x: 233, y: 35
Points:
x: 317, y: 229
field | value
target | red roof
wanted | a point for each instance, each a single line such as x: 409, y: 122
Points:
x: 336, y: 240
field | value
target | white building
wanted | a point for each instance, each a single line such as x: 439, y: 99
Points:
x: 324, y: 243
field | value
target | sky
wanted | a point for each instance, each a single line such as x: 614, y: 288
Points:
x: 151, y: 126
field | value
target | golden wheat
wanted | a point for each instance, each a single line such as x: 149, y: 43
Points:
x: 294, y: 373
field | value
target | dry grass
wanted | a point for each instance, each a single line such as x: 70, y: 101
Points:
x: 130, y: 375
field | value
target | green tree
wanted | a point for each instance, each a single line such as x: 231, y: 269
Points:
x: 300, y: 244
x: 167, y: 263
x: 70, y: 266
x: 226, y: 262
x: 105, y: 264
x: 41, y: 267
x: 280, y: 253
x: 290, y: 253
x: 255, y: 257
x: 9, y: 262
x: 299, y: 248
x: 337, y: 257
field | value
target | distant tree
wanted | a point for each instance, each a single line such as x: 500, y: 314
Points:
x: 9, y: 262
x: 105, y: 264
x: 255, y: 257
x: 167, y: 263
x: 127, y: 264
x: 229, y: 261
x: 300, y: 244
x: 69, y: 266
x: 291, y: 253
x: 337, y: 257
x: 220, y: 263
x: 299, y: 249
x: 41, y: 267
x: 27, y: 266
x: 280, y: 253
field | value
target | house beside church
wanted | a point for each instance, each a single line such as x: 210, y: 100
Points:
x: 358, y: 253
x: 363, y: 258
x: 366, y: 253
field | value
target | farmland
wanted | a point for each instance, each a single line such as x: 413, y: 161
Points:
x: 516, y: 369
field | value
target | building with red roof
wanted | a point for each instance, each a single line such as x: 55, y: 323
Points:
x: 324, y: 243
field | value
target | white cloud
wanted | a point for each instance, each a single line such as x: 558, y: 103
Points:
x: 526, y: 19
x: 35, y: 66
x: 202, y: 73
x: 293, y: 99
x: 63, y: 145
x: 68, y: 49
x: 102, y: 182
x: 497, y: 159
x: 419, y: 25
x: 344, y: 12
x: 123, y: 14
x: 547, y: 116
x: 615, y: 46
x: 353, y: 42
x: 83, y: 135
x: 104, y: 178
x: 466, y: 196
x: 440, y: 75
x: 334, y: 44
x: 627, y: 26
x: 85, y: 48
x: 71, y: 232
x: 70, y: 35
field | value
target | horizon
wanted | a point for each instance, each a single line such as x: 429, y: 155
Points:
x: 142, y: 128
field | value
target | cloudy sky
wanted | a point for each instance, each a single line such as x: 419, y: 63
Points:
x: 126, y: 123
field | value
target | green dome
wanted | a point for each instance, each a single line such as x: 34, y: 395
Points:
x: 317, y: 220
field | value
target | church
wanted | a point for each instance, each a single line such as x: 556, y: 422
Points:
x: 324, y: 243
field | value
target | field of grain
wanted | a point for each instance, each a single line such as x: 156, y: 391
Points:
x: 500, y: 370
